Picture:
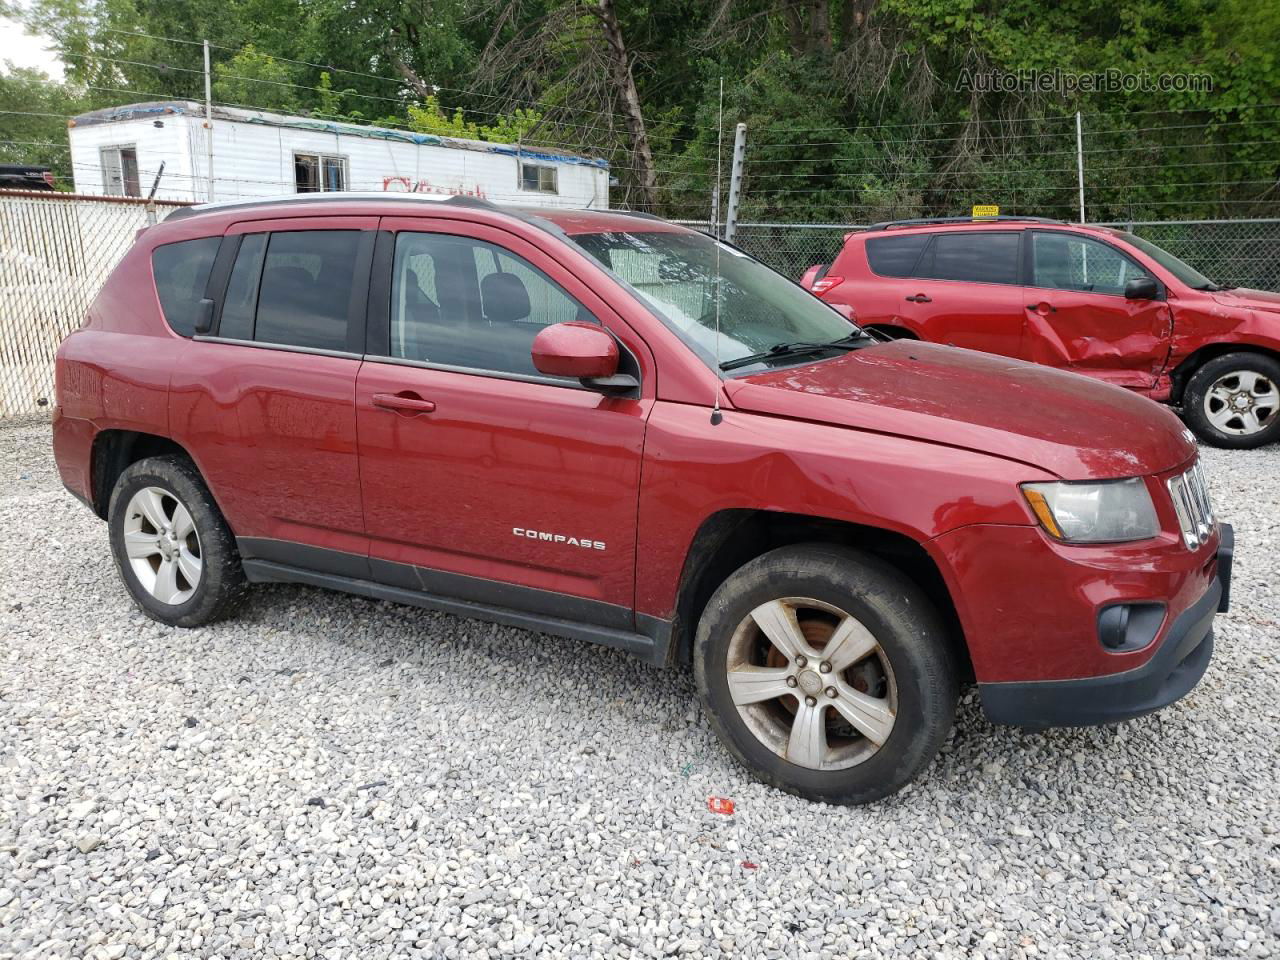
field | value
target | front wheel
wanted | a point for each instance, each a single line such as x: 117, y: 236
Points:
x: 826, y: 673
x: 1233, y: 401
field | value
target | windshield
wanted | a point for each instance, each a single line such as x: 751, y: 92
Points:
x: 676, y: 274
x: 1183, y: 271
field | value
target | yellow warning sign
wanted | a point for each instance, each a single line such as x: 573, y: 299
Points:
x: 985, y: 210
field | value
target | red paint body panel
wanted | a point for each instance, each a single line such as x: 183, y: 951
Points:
x: 1135, y: 344
x: 1064, y: 424
x: 276, y: 440
x: 694, y: 469
x: 916, y: 439
x: 1034, y: 634
x: 447, y: 489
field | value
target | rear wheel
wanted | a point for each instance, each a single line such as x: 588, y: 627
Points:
x: 1234, y: 401
x: 172, y: 547
x: 826, y: 673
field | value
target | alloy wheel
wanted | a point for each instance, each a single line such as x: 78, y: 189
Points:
x: 812, y: 683
x: 162, y: 544
x: 1242, y: 402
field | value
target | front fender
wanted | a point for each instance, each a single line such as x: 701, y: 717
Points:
x: 694, y: 469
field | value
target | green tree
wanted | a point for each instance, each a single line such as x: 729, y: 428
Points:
x: 33, y: 120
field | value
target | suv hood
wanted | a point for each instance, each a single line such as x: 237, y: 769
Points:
x: 1067, y: 424
x: 1263, y: 300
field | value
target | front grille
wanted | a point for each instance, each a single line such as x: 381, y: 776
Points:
x: 1190, y: 495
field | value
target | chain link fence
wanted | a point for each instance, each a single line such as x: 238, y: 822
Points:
x: 56, y: 251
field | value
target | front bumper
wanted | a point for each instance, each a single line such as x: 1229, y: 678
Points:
x: 1168, y: 676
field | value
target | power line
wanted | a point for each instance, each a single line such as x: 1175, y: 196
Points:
x: 369, y: 76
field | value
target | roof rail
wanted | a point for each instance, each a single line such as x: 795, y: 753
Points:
x: 929, y: 221
x: 305, y: 198
x: 479, y: 203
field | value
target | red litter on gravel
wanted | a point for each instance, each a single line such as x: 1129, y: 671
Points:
x: 720, y: 805
x: 748, y: 865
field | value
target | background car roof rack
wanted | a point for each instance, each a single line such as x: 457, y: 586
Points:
x: 929, y: 221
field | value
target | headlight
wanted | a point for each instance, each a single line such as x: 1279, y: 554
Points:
x: 1094, y: 512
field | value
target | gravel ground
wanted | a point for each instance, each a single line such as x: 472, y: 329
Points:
x: 329, y: 776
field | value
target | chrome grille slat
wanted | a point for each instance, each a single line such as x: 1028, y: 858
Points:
x: 1190, y: 495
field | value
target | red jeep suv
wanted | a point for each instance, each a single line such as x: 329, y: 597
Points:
x: 1096, y: 301
x: 608, y: 427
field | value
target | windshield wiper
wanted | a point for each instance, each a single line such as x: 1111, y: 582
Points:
x: 792, y: 349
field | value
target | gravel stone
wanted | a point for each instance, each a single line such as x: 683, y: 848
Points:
x: 368, y: 780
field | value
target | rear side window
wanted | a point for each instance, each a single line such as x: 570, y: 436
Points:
x: 181, y: 271
x: 292, y: 288
x: 974, y: 257
x: 895, y: 256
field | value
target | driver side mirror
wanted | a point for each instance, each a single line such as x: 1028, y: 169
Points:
x: 582, y: 350
x: 1141, y: 288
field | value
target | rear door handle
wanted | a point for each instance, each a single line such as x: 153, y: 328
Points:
x: 405, y: 402
x: 920, y: 298
x: 1037, y: 306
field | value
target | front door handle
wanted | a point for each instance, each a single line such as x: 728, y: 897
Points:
x: 404, y: 402
x: 1042, y: 307
x: 920, y: 298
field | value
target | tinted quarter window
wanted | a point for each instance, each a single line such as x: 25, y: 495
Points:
x: 304, y: 299
x: 1064, y: 261
x: 975, y: 257
x: 181, y: 271
x: 466, y: 303
x: 895, y: 256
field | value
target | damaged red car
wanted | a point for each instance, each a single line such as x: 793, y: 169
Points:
x: 1096, y: 301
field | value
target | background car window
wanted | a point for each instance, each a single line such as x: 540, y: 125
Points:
x: 466, y: 303
x: 1063, y: 261
x: 181, y: 271
x: 241, y: 300
x: 305, y: 292
x: 895, y: 256
x: 975, y: 257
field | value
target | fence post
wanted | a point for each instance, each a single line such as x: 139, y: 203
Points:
x: 735, y: 181
x: 208, y: 119
x: 1080, y: 160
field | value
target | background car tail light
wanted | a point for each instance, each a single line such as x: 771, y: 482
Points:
x: 826, y: 283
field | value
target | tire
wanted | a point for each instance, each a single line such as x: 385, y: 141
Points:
x: 1251, y: 380
x: 908, y: 682
x: 149, y: 500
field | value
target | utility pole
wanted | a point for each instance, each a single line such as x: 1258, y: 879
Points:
x: 208, y: 118
x: 1080, y: 160
x: 735, y: 180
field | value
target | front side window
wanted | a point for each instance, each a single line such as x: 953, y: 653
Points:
x: 538, y: 178
x: 292, y: 288
x: 460, y: 302
x: 181, y: 272
x: 986, y: 257
x: 1064, y: 261
x: 1188, y: 274
x: 318, y: 173
x: 683, y: 276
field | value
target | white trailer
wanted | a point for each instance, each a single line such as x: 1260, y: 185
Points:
x: 118, y: 152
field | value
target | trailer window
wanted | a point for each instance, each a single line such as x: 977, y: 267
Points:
x: 319, y: 173
x: 538, y: 178
x: 120, y: 171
